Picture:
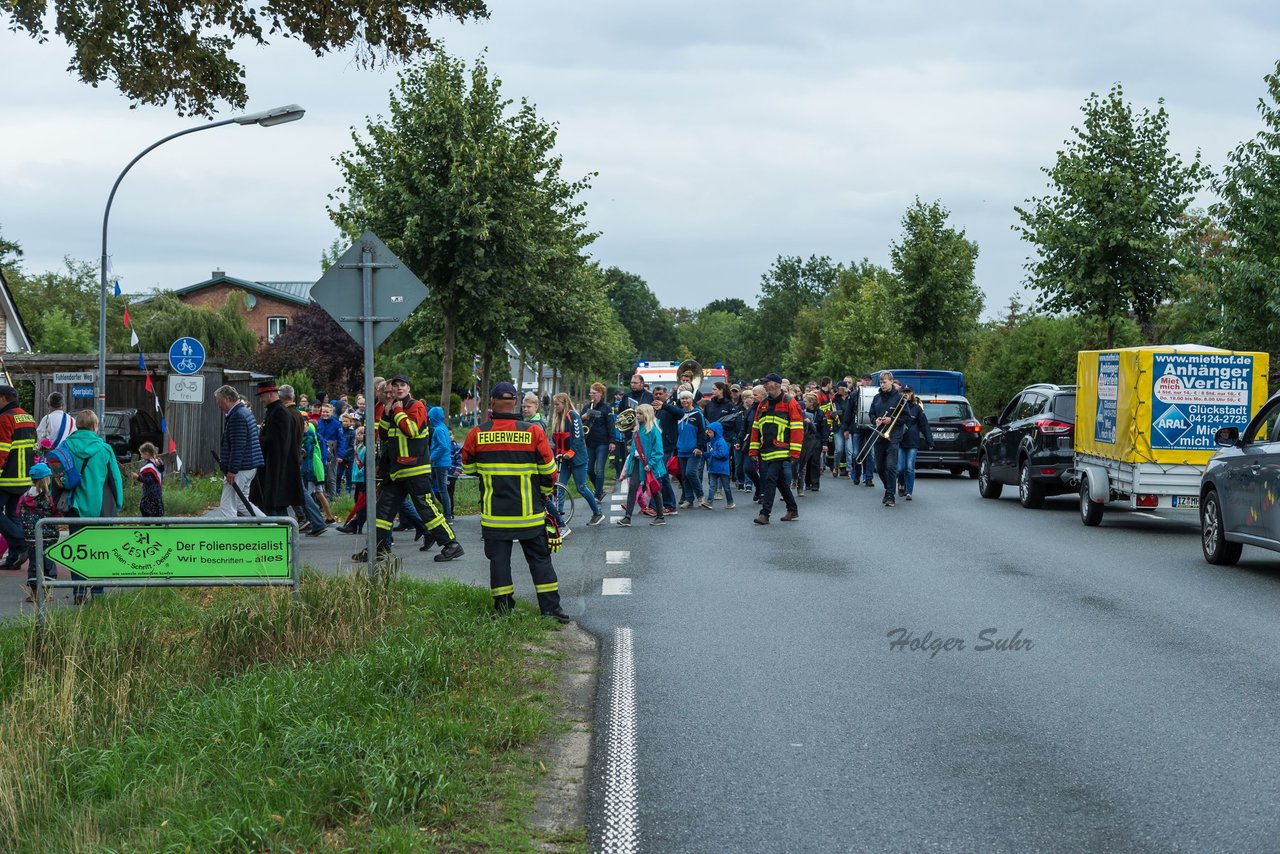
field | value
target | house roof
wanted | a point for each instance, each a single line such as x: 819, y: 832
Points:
x: 298, y: 293
x: 11, y: 309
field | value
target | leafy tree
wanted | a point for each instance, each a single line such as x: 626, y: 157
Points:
x: 1250, y: 213
x: 157, y: 52
x: 75, y: 292
x: 301, y: 382
x: 164, y: 318
x: 733, y: 305
x: 789, y: 285
x: 648, y: 325
x: 860, y: 330
x: 1105, y: 235
x: 313, y: 341
x: 10, y: 254
x: 938, y: 301
x: 60, y: 335
x: 470, y: 197
x: 713, y: 336
x: 1197, y: 312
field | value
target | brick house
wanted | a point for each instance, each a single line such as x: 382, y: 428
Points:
x: 267, y: 307
x: 13, y: 334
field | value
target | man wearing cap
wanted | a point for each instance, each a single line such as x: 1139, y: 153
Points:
x: 278, y: 485
x: 17, y: 455
x: 404, y: 470
x: 517, y: 472
x: 777, y: 437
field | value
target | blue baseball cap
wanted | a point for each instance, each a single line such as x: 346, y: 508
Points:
x: 503, y: 391
x: 40, y: 470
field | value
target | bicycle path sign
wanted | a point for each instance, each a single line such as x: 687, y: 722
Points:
x: 186, y: 355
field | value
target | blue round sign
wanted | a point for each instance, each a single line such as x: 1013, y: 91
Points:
x: 186, y: 355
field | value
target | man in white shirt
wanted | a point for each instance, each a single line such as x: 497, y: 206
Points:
x: 55, y: 426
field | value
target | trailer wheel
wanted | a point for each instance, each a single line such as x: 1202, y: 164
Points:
x: 987, y: 487
x: 1090, y: 511
x: 1030, y: 493
x: 1213, y: 533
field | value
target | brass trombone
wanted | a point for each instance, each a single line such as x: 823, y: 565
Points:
x: 886, y: 433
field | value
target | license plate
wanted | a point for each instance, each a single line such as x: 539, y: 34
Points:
x: 1189, y: 501
x: 944, y: 434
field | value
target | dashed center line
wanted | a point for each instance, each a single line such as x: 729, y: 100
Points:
x: 618, y: 557
x: 615, y: 587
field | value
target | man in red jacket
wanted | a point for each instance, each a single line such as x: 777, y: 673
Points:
x: 777, y: 437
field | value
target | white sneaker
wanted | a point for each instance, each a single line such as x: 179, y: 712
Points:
x: 565, y: 532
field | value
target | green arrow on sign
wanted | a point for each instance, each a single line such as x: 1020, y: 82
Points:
x: 177, y: 551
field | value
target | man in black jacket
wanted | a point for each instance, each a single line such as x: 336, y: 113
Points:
x: 279, y: 481
x: 885, y: 415
x: 597, y: 416
x: 857, y: 437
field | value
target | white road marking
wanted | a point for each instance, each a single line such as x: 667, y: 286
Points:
x: 615, y: 587
x: 617, y: 557
x: 1148, y: 515
x: 621, y: 820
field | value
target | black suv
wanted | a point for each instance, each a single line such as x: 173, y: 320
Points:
x: 1030, y: 444
x: 126, y: 429
x: 956, y: 434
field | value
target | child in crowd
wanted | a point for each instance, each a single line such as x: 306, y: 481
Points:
x: 356, y: 518
x: 718, y: 466
x: 455, y: 472
x: 151, y: 476
x: 35, y: 505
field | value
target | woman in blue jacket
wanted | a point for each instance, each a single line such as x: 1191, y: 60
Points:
x: 441, y: 459
x: 570, y: 443
x: 648, y: 458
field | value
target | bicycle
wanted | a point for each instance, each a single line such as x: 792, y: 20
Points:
x: 560, y: 494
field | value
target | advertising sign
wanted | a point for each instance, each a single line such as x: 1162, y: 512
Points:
x: 1104, y: 429
x: 1193, y: 395
x: 192, y: 551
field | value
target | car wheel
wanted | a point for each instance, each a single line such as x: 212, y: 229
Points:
x: 987, y: 487
x: 1030, y: 493
x: 1090, y: 510
x: 1213, y: 533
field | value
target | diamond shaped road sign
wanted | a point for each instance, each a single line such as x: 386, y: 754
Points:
x: 396, y: 290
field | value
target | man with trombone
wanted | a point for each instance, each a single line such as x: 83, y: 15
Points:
x: 886, y: 415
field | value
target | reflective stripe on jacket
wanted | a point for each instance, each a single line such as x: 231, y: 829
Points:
x: 778, y: 431
x: 406, y: 438
x: 17, y: 448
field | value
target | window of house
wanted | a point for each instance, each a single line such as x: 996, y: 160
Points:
x: 275, y: 325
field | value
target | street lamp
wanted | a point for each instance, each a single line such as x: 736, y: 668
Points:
x: 266, y: 118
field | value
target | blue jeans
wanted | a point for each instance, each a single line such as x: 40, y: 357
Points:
x: 440, y: 478
x: 579, y: 472
x: 907, y: 467
x: 597, y: 456
x: 845, y: 449
x: 691, y: 475
x: 668, y: 492
x: 311, y: 510
x: 867, y: 469
x: 719, y: 481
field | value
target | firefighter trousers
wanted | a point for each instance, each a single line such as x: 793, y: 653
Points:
x: 538, y: 555
x: 392, y: 493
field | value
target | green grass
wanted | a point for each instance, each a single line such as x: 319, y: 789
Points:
x: 202, y: 493
x: 370, y: 716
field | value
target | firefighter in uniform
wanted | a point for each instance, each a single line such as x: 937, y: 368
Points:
x: 17, y: 455
x: 777, y: 437
x: 513, y: 462
x: 404, y: 470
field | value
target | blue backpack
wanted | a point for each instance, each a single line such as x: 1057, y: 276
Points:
x: 63, y: 467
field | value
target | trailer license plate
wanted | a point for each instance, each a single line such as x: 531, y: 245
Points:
x: 1189, y: 501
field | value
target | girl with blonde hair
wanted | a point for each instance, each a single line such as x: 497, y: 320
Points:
x: 644, y: 454
x: 570, y: 444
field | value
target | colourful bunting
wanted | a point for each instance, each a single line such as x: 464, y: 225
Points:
x: 126, y: 317
x: 142, y: 365
x: 117, y: 281
x: 172, y: 447
x: 151, y: 388
x: 164, y: 427
x: 133, y: 338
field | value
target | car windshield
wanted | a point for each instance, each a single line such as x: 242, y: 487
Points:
x: 946, y: 410
x: 113, y: 422
x: 1064, y: 407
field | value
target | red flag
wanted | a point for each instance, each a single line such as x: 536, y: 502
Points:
x: 149, y: 387
x: 172, y: 445
x: 126, y: 318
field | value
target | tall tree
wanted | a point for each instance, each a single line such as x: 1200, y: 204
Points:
x: 313, y: 341
x: 71, y: 295
x: 1104, y: 236
x: 158, y: 52
x: 938, y: 301
x: 164, y: 319
x: 790, y: 284
x: 469, y: 195
x: 10, y: 254
x: 1250, y: 212
x: 712, y: 337
x: 859, y: 324
x: 648, y: 325
x: 734, y: 305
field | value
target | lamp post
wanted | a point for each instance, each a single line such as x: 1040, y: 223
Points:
x: 266, y: 118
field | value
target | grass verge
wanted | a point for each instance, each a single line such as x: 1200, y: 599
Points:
x: 368, y: 716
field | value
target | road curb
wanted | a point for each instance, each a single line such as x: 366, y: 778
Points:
x: 559, y: 812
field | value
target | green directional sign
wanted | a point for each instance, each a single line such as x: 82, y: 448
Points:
x: 177, y: 551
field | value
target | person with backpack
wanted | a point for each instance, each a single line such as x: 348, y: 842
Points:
x: 100, y: 490
x: 56, y: 425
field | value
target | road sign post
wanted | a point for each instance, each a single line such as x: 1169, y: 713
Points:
x: 369, y: 318
x: 172, y: 552
x: 186, y: 355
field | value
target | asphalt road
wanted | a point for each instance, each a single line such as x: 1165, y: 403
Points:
x: 772, y: 714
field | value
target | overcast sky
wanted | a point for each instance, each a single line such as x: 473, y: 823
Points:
x: 725, y: 133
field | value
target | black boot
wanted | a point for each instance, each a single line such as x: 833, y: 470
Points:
x: 449, y: 552
x: 348, y: 527
x: 505, y: 604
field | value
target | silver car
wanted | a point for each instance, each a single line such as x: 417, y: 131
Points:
x: 1240, y: 489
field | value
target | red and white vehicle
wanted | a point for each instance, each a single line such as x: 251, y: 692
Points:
x: 664, y: 374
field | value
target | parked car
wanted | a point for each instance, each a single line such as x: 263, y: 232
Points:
x: 1238, y: 490
x: 957, y: 434
x: 1030, y: 444
x: 126, y: 429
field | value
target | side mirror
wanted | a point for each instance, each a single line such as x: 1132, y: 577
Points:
x: 1227, y: 437
x: 990, y: 421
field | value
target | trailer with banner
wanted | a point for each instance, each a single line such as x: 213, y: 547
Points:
x: 1146, y: 419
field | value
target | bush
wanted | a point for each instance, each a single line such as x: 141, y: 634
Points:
x: 301, y: 382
